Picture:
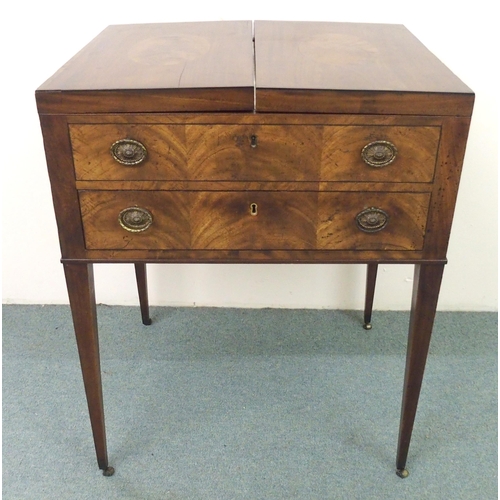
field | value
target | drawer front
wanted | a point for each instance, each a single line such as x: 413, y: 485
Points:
x: 253, y: 220
x: 254, y: 152
x: 379, y: 153
x: 101, y: 219
x: 163, y: 157
x: 372, y: 221
x: 197, y: 152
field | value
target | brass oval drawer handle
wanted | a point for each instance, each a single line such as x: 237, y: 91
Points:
x: 128, y: 152
x: 372, y: 220
x: 135, y: 219
x: 379, y: 153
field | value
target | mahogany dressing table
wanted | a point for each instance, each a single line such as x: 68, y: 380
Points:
x: 265, y: 142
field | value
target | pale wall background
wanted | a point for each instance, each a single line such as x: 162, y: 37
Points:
x: 38, y: 37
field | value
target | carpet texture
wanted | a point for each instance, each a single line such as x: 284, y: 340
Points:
x: 229, y: 404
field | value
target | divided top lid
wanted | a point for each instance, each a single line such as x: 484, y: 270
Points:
x: 294, y: 66
x: 347, y: 56
x: 207, y: 66
x: 327, y: 67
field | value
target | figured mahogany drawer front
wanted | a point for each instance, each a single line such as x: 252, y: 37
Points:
x: 199, y: 152
x: 379, y: 153
x: 254, y: 152
x: 253, y: 220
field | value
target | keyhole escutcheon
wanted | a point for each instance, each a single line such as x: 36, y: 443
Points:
x: 253, y: 208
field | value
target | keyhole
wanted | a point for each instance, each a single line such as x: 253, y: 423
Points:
x: 253, y: 209
x: 253, y: 141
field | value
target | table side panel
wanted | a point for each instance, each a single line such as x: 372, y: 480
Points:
x: 62, y: 181
x: 445, y: 187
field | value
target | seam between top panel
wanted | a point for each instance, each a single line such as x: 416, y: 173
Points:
x: 254, y: 70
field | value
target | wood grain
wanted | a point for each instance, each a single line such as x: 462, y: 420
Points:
x: 166, y: 152
x: 280, y: 153
x: 100, y: 211
x: 80, y: 284
x: 157, y: 67
x: 215, y: 54
x: 347, y: 56
x: 415, y: 159
x: 405, y: 230
x: 311, y: 67
x: 224, y: 221
x: 160, y: 118
x: 62, y: 182
x: 254, y: 256
x: 200, y: 152
x: 145, y: 101
x: 445, y: 187
x: 396, y: 187
x: 313, y: 97
x: 363, y: 102
x: 426, y: 286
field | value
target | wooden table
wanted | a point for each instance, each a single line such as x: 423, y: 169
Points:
x: 259, y: 142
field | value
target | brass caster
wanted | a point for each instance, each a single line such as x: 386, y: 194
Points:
x: 108, y: 471
x: 367, y: 326
x: 402, y: 473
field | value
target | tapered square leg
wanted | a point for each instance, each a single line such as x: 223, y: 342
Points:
x: 371, y: 278
x: 142, y: 288
x: 80, y: 283
x: 426, y: 285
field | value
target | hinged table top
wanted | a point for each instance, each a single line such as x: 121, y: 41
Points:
x: 269, y: 66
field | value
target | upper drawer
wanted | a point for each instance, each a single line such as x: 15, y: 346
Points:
x: 254, y: 152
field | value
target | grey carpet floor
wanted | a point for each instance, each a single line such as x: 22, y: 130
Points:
x: 248, y: 404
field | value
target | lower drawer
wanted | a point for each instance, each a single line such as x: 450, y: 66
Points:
x: 253, y: 220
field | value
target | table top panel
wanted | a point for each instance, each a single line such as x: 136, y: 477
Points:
x: 347, y: 56
x: 292, y: 67
x: 205, y: 55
